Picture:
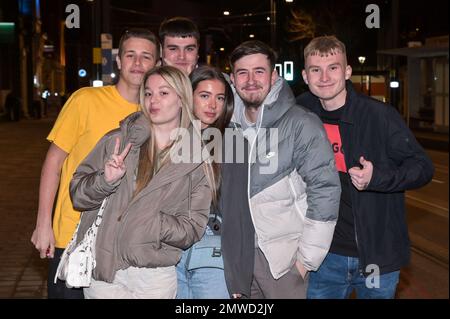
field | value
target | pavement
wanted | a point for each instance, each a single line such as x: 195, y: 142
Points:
x: 23, y: 148
x: 23, y: 274
x: 432, y: 140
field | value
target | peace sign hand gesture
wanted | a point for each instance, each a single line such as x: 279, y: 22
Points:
x: 115, y: 166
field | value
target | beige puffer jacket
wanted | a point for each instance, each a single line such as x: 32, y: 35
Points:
x: 152, y: 229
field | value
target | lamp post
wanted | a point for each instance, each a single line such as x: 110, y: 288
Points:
x: 273, y: 23
x: 361, y: 60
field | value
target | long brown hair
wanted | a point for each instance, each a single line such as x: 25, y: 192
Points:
x: 204, y: 73
x: 149, y: 152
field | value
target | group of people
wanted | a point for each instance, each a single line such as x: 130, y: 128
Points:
x: 311, y: 209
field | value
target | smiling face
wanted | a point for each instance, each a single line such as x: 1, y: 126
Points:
x: 162, y: 102
x: 209, y: 100
x: 326, y: 75
x: 180, y: 52
x: 138, y: 56
x: 253, y: 78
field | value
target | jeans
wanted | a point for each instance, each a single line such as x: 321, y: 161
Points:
x: 200, y: 283
x: 60, y: 290
x: 339, y: 275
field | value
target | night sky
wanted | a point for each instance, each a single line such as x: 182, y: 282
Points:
x: 344, y: 18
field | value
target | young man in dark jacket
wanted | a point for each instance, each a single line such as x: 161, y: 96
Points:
x: 378, y: 159
x: 180, y: 40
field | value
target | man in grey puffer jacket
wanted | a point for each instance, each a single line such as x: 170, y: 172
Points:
x: 293, y: 187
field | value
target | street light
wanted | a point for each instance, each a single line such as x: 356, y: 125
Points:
x: 393, y: 84
x: 226, y: 13
x: 361, y: 60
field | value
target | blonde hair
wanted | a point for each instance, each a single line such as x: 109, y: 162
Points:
x: 148, y: 155
x: 324, y: 46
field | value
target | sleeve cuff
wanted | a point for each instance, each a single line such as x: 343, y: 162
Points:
x: 104, y: 185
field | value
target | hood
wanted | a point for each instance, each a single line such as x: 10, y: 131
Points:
x: 279, y: 100
x: 135, y: 129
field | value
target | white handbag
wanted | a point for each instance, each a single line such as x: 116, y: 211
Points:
x: 78, y: 261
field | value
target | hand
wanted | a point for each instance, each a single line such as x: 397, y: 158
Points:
x: 44, y: 241
x: 191, y: 68
x: 115, y: 166
x: 301, y: 269
x: 361, y: 176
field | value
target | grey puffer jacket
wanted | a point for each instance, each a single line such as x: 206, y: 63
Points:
x: 293, y: 186
x: 151, y: 229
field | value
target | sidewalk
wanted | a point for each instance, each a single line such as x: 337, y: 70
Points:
x: 23, y: 145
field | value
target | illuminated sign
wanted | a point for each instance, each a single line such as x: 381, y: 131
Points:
x: 286, y: 70
x: 97, y: 83
x: 7, y: 30
x: 82, y: 73
x: 394, y: 84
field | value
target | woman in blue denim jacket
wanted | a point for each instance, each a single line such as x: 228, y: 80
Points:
x: 200, y: 271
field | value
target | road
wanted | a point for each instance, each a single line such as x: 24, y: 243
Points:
x: 23, y: 274
x: 427, y: 215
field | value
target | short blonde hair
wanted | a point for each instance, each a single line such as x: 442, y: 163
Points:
x: 323, y: 46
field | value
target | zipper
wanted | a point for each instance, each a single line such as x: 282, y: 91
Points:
x: 249, y: 171
x: 356, y: 239
x: 355, y: 223
x: 347, y: 152
x: 122, y: 218
x: 120, y: 227
x: 357, y: 244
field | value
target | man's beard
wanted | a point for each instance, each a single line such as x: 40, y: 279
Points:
x: 254, y: 100
x: 253, y: 104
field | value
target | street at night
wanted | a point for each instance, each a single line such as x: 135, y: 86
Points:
x: 362, y: 75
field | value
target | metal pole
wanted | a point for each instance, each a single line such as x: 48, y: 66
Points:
x: 273, y: 23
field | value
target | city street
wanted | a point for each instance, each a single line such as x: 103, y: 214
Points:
x: 23, y: 273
